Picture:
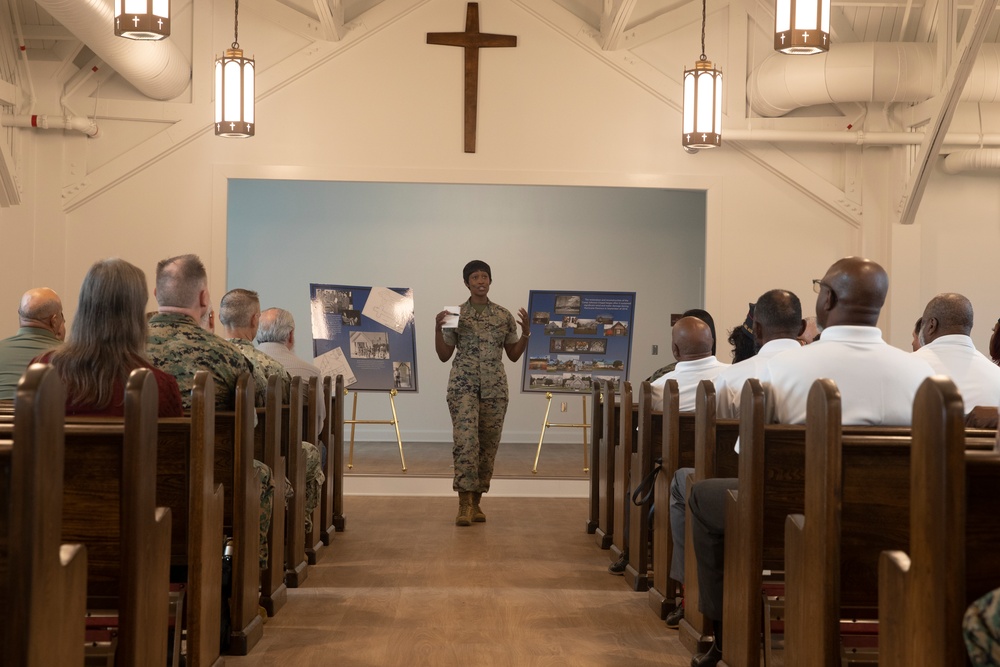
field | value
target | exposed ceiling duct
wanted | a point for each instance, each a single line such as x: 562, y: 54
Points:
x: 158, y: 70
x: 863, y: 72
x: 972, y: 160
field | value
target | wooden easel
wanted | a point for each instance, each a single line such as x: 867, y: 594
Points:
x: 547, y: 424
x: 394, y: 422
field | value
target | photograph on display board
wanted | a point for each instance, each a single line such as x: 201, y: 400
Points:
x: 578, y: 338
x: 365, y: 334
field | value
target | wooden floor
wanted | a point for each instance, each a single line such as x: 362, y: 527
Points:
x: 403, y: 586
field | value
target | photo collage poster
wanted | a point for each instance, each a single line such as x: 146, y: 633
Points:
x: 365, y: 334
x: 577, y: 338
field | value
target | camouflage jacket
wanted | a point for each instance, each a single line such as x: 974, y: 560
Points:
x: 176, y: 344
x: 479, y: 344
x: 264, y: 366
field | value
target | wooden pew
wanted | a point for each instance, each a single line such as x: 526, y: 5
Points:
x: 333, y: 492
x: 291, y: 447
x: 954, y: 539
x: 312, y: 434
x: 622, y: 468
x: 109, y: 505
x: 267, y: 449
x: 605, y: 467
x: 43, y: 583
x: 597, y: 431
x: 771, y: 486
x: 647, y: 450
x: 234, y: 469
x: 856, y: 504
x: 714, y: 456
x: 185, y: 476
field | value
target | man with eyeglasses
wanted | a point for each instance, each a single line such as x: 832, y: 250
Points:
x: 877, y: 385
x: 42, y: 327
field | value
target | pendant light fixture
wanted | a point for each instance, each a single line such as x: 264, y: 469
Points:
x: 802, y: 27
x: 234, y: 90
x: 142, y: 19
x: 702, y: 100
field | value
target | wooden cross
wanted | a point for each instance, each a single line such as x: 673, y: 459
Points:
x: 472, y: 40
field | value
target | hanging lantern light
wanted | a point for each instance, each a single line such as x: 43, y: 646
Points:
x: 234, y: 90
x: 702, y: 100
x: 802, y: 27
x: 142, y: 19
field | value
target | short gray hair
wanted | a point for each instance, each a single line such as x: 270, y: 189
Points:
x: 238, y: 307
x: 276, y: 326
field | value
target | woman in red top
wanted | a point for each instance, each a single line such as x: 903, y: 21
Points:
x: 107, y: 342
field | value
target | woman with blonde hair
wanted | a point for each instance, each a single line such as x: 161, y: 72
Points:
x: 107, y: 342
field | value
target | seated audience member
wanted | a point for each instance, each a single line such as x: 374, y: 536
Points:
x: 810, y: 334
x: 877, y: 385
x: 945, y: 344
x: 239, y: 312
x: 777, y: 321
x: 276, y: 339
x: 42, y: 327
x: 107, y: 342
x: 692, y: 347
x: 742, y: 340
x: 917, y: 343
x: 702, y: 315
x: 178, y: 344
x: 981, y: 629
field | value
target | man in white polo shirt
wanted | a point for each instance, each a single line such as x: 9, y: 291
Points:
x: 947, y: 347
x: 877, y: 385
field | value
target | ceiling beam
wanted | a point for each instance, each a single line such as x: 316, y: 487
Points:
x: 331, y: 17
x: 614, y: 17
x: 958, y: 73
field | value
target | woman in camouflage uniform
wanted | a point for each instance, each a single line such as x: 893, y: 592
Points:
x: 477, y: 386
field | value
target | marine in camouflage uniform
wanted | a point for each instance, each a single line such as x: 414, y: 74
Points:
x: 981, y: 628
x: 176, y: 344
x: 477, y: 391
x: 265, y: 366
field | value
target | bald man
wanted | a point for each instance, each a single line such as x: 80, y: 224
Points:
x: 42, y: 327
x: 692, y: 347
x: 877, y: 385
x: 945, y: 344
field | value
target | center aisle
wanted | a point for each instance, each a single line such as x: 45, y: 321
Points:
x: 405, y: 587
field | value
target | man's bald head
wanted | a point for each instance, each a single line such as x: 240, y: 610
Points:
x: 41, y: 307
x: 692, y: 339
x: 276, y: 326
x: 852, y: 293
x: 945, y: 315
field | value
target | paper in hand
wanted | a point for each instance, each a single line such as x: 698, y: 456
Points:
x: 451, y: 321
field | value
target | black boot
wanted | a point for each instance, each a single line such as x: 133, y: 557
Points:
x: 711, y: 657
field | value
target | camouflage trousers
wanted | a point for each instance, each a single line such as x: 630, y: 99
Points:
x: 477, y: 424
x: 981, y: 629
x: 314, y: 484
x: 266, y: 506
x: 314, y: 480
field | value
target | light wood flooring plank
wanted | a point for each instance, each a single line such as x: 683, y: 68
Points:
x: 405, y: 587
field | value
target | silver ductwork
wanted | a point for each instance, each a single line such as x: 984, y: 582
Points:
x: 158, y: 70
x: 863, y: 72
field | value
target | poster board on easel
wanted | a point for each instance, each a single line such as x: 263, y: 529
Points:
x: 367, y: 335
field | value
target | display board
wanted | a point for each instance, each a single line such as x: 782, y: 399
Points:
x: 577, y: 338
x: 365, y: 334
